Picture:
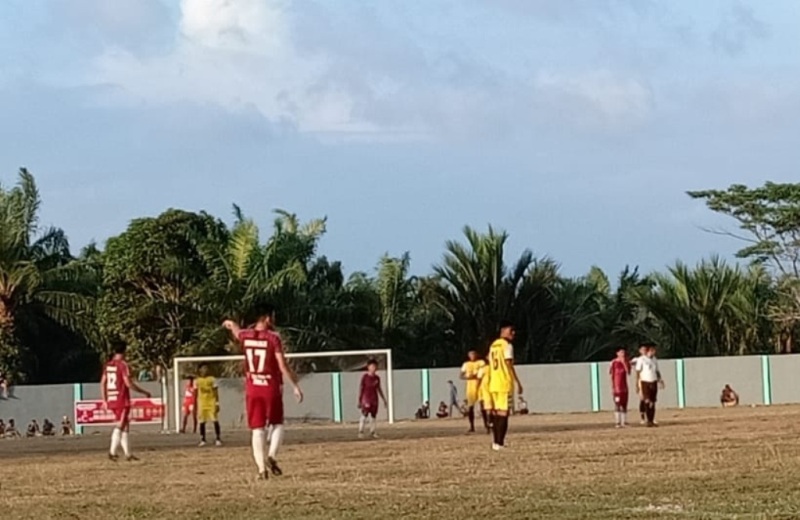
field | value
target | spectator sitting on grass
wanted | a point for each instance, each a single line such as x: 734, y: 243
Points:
x: 11, y: 429
x: 2, y: 429
x: 66, y: 426
x: 442, y: 413
x: 729, y: 397
x: 424, y: 411
x: 48, y: 428
x: 33, y: 429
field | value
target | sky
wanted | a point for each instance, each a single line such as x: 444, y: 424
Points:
x: 575, y: 125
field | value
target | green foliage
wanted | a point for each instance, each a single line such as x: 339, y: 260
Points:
x: 165, y: 284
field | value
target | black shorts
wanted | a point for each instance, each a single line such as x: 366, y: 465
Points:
x: 649, y: 391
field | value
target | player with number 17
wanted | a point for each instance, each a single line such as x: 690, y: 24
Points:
x: 265, y: 366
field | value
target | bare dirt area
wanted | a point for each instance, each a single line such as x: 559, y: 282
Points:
x: 735, y: 463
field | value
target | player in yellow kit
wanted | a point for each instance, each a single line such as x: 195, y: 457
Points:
x: 207, y: 404
x: 485, y: 396
x: 469, y: 373
x: 502, y: 377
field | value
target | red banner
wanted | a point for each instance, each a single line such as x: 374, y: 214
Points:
x: 143, y: 411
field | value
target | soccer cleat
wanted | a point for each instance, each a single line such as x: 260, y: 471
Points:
x: 273, y: 467
x: 263, y: 476
x: 496, y: 447
x: 132, y: 458
x: 112, y: 457
x: 217, y: 443
x: 202, y: 443
x: 374, y: 435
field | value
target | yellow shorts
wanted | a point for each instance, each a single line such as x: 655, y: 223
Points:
x: 472, y: 396
x: 207, y: 415
x: 500, y: 401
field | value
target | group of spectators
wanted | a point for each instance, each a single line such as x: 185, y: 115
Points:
x: 9, y: 430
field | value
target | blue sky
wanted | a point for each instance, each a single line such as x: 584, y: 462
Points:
x: 575, y: 125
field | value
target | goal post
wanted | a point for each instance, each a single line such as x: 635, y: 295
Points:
x: 177, y: 387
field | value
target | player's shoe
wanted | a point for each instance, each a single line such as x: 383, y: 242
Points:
x: 132, y: 458
x: 263, y: 476
x: 202, y: 444
x: 273, y: 467
x: 496, y: 447
x: 218, y: 443
x: 112, y: 457
x: 374, y: 435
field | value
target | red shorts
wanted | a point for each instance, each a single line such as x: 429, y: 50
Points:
x: 264, y: 409
x: 122, y: 412
x: 188, y: 407
x: 621, y: 400
x: 370, y: 409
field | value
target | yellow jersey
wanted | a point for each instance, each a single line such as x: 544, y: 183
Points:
x: 500, y: 378
x: 470, y: 370
x: 206, y: 392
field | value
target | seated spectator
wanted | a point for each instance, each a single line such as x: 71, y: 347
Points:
x: 48, y: 428
x: 729, y: 397
x: 11, y: 429
x: 2, y: 429
x: 443, y: 412
x: 522, y: 407
x: 424, y: 412
x: 464, y: 408
x: 33, y: 429
x: 66, y: 426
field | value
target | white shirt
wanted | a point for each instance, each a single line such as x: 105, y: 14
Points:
x: 647, y: 368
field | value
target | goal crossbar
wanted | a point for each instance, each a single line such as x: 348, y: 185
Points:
x: 176, y: 362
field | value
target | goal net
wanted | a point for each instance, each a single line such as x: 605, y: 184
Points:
x: 330, y: 383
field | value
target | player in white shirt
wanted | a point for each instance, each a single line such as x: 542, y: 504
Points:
x: 648, y: 380
x: 642, y: 406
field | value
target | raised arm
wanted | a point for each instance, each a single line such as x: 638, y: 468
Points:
x: 233, y: 327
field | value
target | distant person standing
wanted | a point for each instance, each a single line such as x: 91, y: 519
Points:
x: 648, y: 380
x: 368, y: 393
x: 453, y: 397
x: 642, y: 406
x: 469, y: 373
x: 619, y: 371
x: 502, y: 377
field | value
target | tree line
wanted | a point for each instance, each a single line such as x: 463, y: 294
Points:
x: 163, y: 284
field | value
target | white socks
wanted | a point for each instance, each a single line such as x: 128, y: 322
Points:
x: 259, y: 440
x: 364, y: 419
x: 125, y: 447
x: 115, y: 440
x: 621, y: 418
x: 275, y: 440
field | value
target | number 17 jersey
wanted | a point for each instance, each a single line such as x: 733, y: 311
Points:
x: 262, y: 373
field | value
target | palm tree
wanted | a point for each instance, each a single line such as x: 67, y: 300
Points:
x: 478, y: 289
x: 39, y: 279
x: 713, y: 309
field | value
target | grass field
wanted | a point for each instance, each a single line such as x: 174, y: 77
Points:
x: 736, y: 463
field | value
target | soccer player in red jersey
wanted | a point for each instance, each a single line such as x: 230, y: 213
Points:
x: 619, y: 371
x: 265, y: 368
x: 368, y: 398
x: 189, y: 405
x: 116, y: 385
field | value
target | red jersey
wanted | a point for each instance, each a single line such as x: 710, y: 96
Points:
x: 117, y: 392
x: 262, y: 373
x: 189, y: 394
x: 368, y: 394
x: 619, y: 372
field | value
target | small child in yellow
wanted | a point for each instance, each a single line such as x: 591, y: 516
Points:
x: 207, y: 404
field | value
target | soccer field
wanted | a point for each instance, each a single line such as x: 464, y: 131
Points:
x: 735, y: 463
